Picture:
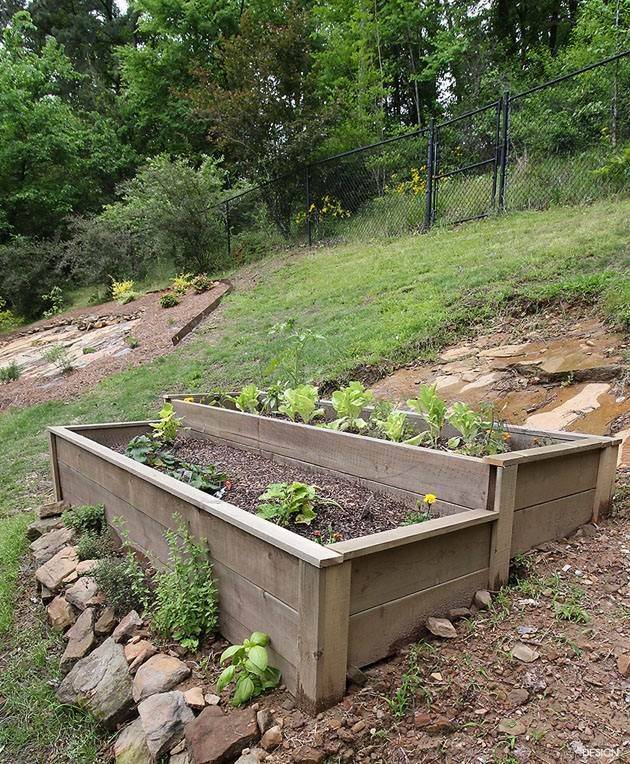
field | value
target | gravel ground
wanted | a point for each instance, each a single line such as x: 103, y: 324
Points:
x: 360, y: 511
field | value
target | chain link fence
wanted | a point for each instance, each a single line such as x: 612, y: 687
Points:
x: 565, y: 141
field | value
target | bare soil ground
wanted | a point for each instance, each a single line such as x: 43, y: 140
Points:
x: 151, y: 325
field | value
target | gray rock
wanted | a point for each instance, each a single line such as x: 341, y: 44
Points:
x: 129, y: 626
x: 53, y: 509
x: 524, y: 653
x: 60, y: 614
x: 357, y: 677
x: 264, y: 720
x: 46, y: 547
x: 159, y: 674
x: 272, y: 738
x: 512, y: 727
x: 164, y: 717
x: 218, y: 738
x: 52, y: 573
x: 482, y: 599
x: 101, y: 683
x: 457, y: 613
x: 441, y: 627
x: 518, y: 697
x: 84, y: 593
x: 131, y: 745
x: 181, y: 758
x: 80, y: 640
x: 40, y: 527
x: 212, y: 699
x: 248, y: 758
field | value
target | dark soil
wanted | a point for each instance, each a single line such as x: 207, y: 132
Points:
x: 360, y: 511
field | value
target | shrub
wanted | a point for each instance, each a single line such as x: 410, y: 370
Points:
x: 59, y: 356
x: 29, y: 270
x: 182, y: 283
x: 86, y: 518
x: 202, y: 283
x: 94, y: 546
x: 132, y: 342
x: 123, y: 582
x: 10, y: 373
x: 169, y: 300
x: 55, y: 300
x: 8, y: 319
x: 186, y: 600
x: 123, y: 291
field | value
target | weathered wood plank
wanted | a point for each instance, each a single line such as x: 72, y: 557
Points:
x: 551, y: 520
x: 505, y: 489
x: 545, y: 453
x: 605, y: 487
x: 323, y: 635
x: 409, y: 534
x: 541, y: 481
x: 397, y: 572
x: 54, y: 466
x: 380, y: 631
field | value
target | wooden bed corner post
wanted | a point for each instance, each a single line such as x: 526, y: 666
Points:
x: 324, y: 612
x: 605, y: 487
x: 501, y: 542
x: 54, y: 467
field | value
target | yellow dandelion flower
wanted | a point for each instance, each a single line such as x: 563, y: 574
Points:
x: 430, y: 498
x: 189, y: 399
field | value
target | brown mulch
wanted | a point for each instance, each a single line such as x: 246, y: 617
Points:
x: 154, y: 332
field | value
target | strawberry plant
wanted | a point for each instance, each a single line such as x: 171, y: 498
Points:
x: 249, y: 669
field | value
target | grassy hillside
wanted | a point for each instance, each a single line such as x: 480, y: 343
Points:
x: 374, y: 304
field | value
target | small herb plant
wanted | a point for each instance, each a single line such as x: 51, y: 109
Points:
x: 201, y: 283
x: 94, y: 546
x: 300, y: 403
x: 285, y: 502
x: 349, y: 403
x: 433, y: 409
x: 272, y: 397
x: 132, y: 342
x: 248, y: 400
x: 85, y: 518
x: 165, y: 431
x: 59, y: 356
x: 169, y: 300
x: 10, y: 373
x: 123, y: 580
x: 186, y: 599
x: 249, y: 669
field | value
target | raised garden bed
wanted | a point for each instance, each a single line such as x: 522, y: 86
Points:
x: 351, y: 602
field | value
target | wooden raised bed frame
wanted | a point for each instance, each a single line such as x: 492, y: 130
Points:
x: 353, y: 602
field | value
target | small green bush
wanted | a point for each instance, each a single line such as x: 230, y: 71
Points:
x: 123, y: 582
x: 59, y: 356
x: 132, y: 342
x: 54, y: 298
x: 201, y: 283
x: 10, y: 373
x: 88, y: 350
x: 86, y: 518
x: 186, y: 600
x: 168, y: 300
x: 94, y: 546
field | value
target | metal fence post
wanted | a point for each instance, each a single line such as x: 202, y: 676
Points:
x: 227, y: 228
x: 505, y: 143
x: 428, y: 204
x: 308, y: 205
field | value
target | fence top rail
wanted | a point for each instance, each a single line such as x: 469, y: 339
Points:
x: 471, y: 113
x: 568, y: 76
x: 369, y: 146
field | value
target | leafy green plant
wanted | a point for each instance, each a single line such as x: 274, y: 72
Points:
x: 60, y: 357
x: 205, y: 478
x: 248, y: 400
x: 433, y: 410
x: 85, y: 518
x: 165, y: 431
x: 169, y: 300
x: 132, y: 342
x: 186, y: 599
x: 289, y: 365
x: 8, y: 319
x: 249, y: 669
x: 272, y: 396
x: 88, y: 350
x: 123, y: 582
x: 10, y: 373
x: 394, y: 427
x: 182, y: 283
x: 300, y: 402
x: 283, y: 502
x: 349, y: 403
x: 94, y: 546
x: 423, y: 511
x: 55, y: 300
x: 480, y: 435
x: 141, y: 449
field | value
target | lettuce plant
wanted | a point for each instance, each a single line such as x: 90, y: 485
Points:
x: 394, y: 426
x: 433, y: 409
x: 300, y: 402
x: 248, y: 400
x: 479, y: 433
x: 349, y: 403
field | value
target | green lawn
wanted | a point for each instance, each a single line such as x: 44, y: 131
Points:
x: 375, y: 304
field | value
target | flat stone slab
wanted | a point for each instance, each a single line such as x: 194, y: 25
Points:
x: 52, y: 573
x: 60, y: 613
x: 159, y: 674
x: 131, y: 745
x: 81, y: 639
x: 218, y: 738
x: 100, y: 682
x: 40, y: 527
x: 84, y: 593
x: 47, y: 546
x: 164, y: 717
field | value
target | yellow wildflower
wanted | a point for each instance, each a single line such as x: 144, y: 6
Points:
x: 189, y: 399
x: 430, y: 498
